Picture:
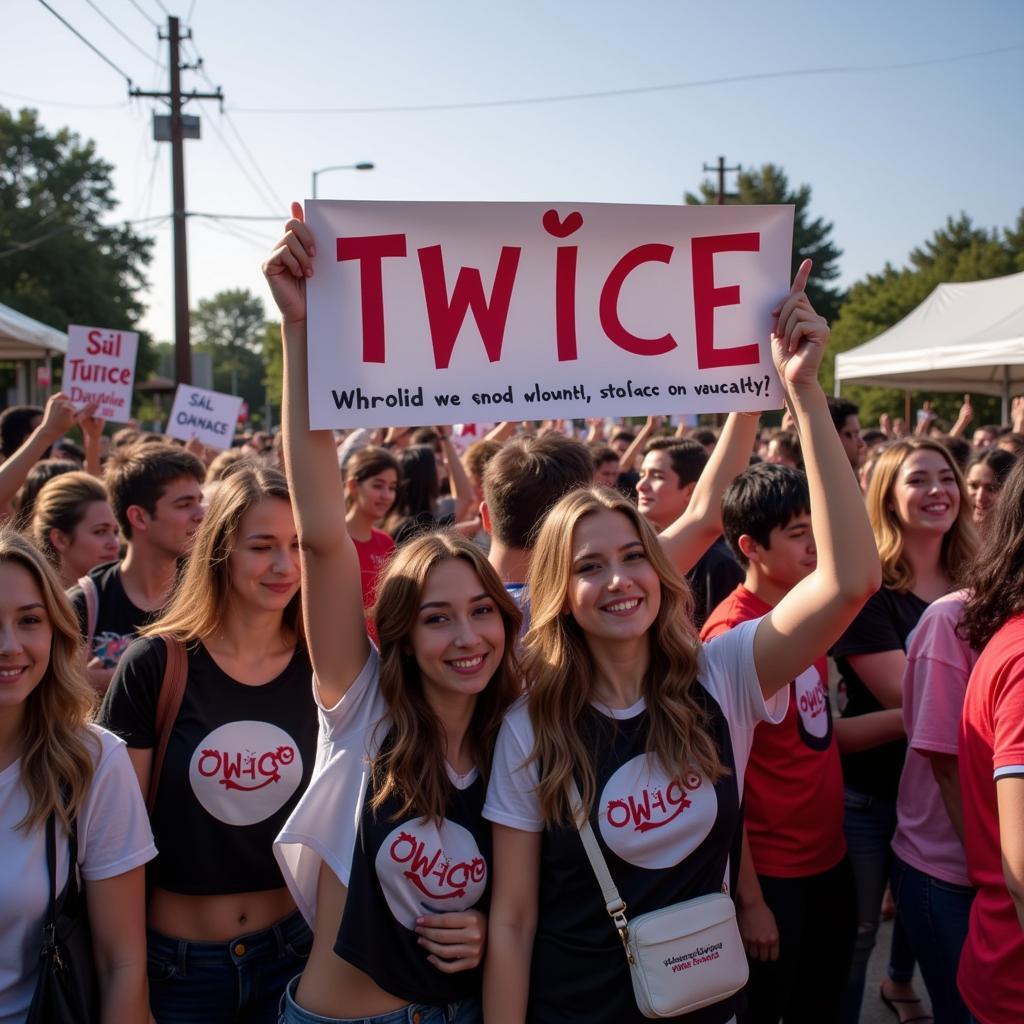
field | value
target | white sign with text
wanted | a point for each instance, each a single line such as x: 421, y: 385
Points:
x: 422, y: 313
x: 208, y: 416
x: 99, y: 367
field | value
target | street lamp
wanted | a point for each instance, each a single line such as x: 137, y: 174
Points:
x: 366, y: 165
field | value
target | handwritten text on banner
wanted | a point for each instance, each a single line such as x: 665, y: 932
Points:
x: 99, y: 367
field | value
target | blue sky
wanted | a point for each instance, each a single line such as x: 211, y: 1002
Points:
x: 889, y: 153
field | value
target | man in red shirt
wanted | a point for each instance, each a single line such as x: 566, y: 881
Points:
x: 795, y: 899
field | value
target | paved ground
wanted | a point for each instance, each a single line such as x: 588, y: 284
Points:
x: 874, y: 1011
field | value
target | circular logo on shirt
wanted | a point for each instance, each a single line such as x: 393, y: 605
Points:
x: 653, y: 821
x: 426, y: 869
x: 814, y: 723
x: 244, y: 772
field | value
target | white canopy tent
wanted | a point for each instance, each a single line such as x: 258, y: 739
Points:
x: 28, y: 342
x: 963, y: 337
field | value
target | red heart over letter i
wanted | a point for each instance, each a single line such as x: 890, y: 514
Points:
x: 554, y: 225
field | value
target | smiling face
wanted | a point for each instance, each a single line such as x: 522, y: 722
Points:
x: 789, y: 557
x: 614, y: 592
x: 264, y: 563
x: 458, y: 638
x: 660, y: 497
x: 983, y: 490
x: 92, y: 542
x: 375, y: 495
x: 25, y: 635
x: 925, y: 495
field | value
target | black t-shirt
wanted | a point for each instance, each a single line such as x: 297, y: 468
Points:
x: 117, y: 619
x: 414, y: 526
x: 883, y: 624
x: 238, y: 759
x: 713, y: 579
x: 403, y: 868
x: 587, y: 979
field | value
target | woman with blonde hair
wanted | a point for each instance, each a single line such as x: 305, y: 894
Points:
x: 921, y: 520
x: 73, y: 525
x: 59, y: 771
x: 653, y: 727
x: 387, y: 853
x: 224, y: 935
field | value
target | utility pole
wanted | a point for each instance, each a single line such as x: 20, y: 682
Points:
x: 721, y: 170
x: 179, y: 131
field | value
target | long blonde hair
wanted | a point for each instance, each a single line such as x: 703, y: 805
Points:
x: 559, y: 667
x: 61, y: 505
x: 58, y: 757
x: 411, y: 766
x: 204, y: 587
x: 958, y: 545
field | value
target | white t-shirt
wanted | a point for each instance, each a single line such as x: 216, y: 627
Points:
x: 725, y: 669
x: 325, y: 822
x: 113, y: 838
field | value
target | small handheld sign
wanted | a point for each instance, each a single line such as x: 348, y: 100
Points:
x: 455, y: 312
x: 208, y: 416
x: 100, y: 367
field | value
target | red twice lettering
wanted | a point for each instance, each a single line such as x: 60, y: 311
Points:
x: 706, y: 297
x: 446, y: 317
x: 370, y: 251
x: 433, y: 873
x: 640, y: 811
x: 813, y: 702
x: 608, y: 306
x: 232, y: 767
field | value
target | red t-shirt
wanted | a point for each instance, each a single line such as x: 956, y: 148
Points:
x: 373, y: 556
x: 991, y: 976
x: 793, y: 789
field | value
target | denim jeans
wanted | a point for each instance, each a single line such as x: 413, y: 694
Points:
x: 935, y: 915
x: 869, y: 824
x: 465, y: 1012
x: 236, y: 982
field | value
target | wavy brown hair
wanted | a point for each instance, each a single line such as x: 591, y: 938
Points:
x: 204, y: 586
x: 411, y: 765
x: 996, y: 577
x: 559, y: 666
x: 61, y: 505
x: 958, y: 545
x: 58, y: 757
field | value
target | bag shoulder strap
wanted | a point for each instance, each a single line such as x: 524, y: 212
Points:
x: 51, y: 867
x: 92, y: 609
x: 172, y: 690
x: 613, y: 902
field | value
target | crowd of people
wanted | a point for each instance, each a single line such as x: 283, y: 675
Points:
x: 329, y: 726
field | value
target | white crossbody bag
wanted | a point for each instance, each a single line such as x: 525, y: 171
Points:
x: 681, y: 957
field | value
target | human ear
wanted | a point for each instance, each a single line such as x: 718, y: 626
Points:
x: 59, y: 540
x: 138, y: 517
x: 749, y: 547
x: 485, y: 517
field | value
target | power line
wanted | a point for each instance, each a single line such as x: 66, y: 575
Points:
x: 634, y: 91
x: 256, y: 164
x: 188, y: 17
x: 235, y: 216
x: 270, y: 200
x: 144, y: 14
x: 99, y: 53
x: 60, y: 103
x: 19, y: 247
x: 124, y: 35
x: 159, y: 4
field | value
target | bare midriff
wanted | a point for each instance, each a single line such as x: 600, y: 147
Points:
x: 216, y: 918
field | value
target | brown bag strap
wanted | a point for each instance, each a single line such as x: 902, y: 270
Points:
x: 172, y: 689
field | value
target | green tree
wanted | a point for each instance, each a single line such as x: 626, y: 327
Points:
x: 812, y: 239
x: 58, y: 262
x: 231, y: 326
x: 273, y: 360
x: 958, y: 251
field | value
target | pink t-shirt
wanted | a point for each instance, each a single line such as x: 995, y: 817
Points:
x: 934, y: 683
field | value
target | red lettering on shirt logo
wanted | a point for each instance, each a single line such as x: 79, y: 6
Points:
x: 652, y: 820
x: 650, y: 809
x: 811, y: 701
x: 232, y: 766
x: 244, y: 772
x: 424, y: 868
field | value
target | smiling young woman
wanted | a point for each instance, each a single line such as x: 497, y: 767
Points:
x: 921, y: 520
x: 225, y: 936
x: 387, y: 854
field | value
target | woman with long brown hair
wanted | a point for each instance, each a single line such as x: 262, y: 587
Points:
x: 224, y: 935
x: 387, y: 853
x: 921, y: 521
x: 652, y: 726
x: 55, y: 764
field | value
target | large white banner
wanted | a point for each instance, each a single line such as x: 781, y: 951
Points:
x: 99, y: 366
x: 465, y: 312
